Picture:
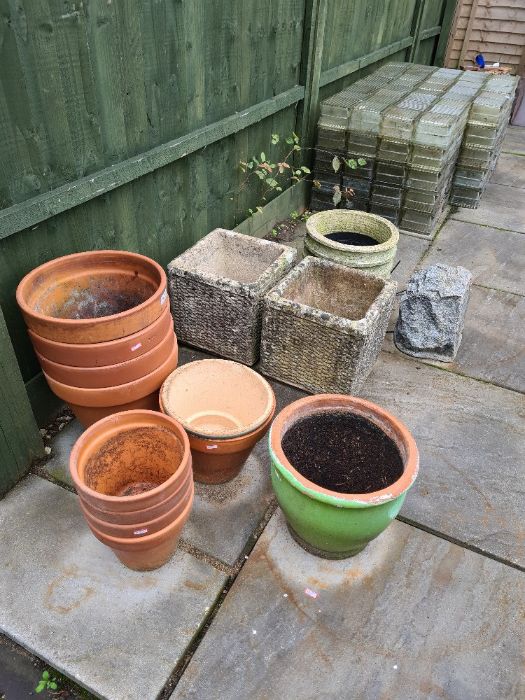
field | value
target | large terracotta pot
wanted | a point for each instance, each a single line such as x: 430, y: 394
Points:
x: 93, y: 297
x: 90, y: 405
x: 130, y: 463
x: 329, y: 523
x: 225, y: 408
x: 114, y: 374
x: 110, y: 352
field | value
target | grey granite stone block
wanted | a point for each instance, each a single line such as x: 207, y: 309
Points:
x: 217, y: 289
x: 432, y: 312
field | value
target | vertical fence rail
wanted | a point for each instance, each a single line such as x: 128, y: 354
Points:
x: 20, y: 441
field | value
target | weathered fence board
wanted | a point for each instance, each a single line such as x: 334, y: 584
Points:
x: 123, y: 123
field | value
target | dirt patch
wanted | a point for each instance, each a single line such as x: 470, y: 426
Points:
x: 343, y: 452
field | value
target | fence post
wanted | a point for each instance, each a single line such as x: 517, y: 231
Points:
x: 311, y: 63
x: 446, y: 25
x: 416, y: 29
x: 20, y: 440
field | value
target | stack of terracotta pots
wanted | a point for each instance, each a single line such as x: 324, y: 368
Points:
x: 225, y: 407
x: 132, y: 472
x: 101, y: 326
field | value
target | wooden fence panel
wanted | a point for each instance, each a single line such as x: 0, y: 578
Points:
x: 124, y: 123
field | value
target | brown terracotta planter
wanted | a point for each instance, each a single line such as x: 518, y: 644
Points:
x: 90, y: 405
x: 114, y: 374
x: 225, y: 407
x: 93, y: 297
x: 151, y: 551
x: 129, y: 463
x: 110, y: 352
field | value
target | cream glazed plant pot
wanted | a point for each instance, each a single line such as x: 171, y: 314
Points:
x: 377, y: 259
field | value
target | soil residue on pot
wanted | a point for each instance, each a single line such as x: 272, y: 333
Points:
x: 343, y: 452
x: 133, y: 489
x: 351, y: 238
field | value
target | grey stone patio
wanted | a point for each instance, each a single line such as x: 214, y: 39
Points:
x: 433, y: 608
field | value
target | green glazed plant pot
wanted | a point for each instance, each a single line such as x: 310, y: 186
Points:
x: 327, y: 523
x: 375, y: 259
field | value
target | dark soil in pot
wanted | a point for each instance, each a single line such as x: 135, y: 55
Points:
x: 343, y: 452
x: 351, y: 238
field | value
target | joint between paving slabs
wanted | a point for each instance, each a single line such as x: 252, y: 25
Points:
x: 460, y: 543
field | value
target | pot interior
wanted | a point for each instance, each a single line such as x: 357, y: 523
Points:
x: 217, y: 398
x: 332, y: 224
x: 233, y: 257
x: 84, y: 289
x: 342, y: 451
x: 133, y: 461
x: 338, y: 291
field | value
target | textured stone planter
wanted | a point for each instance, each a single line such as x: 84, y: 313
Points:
x: 323, y: 326
x: 217, y: 289
x: 377, y: 259
x: 329, y: 523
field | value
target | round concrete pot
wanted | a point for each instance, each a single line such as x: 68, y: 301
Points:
x: 110, y: 352
x: 93, y: 297
x: 114, y: 374
x: 90, y: 405
x: 327, y: 523
x: 225, y: 408
x: 375, y: 259
x: 132, y: 463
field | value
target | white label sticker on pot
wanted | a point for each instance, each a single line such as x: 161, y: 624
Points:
x: 136, y: 347
x: 142, y: 531
x: 163, y: 297
x: 211, y: 447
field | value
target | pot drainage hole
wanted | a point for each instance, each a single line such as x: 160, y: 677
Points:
x: 343, y: 452
x: 351, y: 238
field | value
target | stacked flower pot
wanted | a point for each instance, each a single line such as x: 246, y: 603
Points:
x: 101, y: 327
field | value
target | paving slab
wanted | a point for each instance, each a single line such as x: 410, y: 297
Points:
x: 66, y: 597
x: 514, y: 141
x: 500, y: 207
x: 410, y: 250
x: 412, y: 616
x: 495, y: 258
x: 471, y: 439
x: 510, y: 171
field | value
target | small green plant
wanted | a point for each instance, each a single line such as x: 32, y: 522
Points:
x: 275, y: 233
x: 271, y: 177
x: 46, y: 683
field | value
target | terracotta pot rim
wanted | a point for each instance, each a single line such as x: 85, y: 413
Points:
x: 102, y: 524
x: 81, y: 322
x: 104, y: 344
x: 328, y: 402
x: 246, y: 430
x: 392, y: 240
x: 130, y: 543
x: 111, y: 394
x: 114, y: 419
x: 106, y: 369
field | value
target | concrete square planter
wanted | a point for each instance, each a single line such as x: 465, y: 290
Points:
x: 323, y: 326
x: 217, y: 289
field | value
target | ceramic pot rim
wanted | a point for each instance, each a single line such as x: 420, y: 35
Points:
x: 383, y: 419
x: 115, y: 419
x: 230, y: 436
x: 138, y: 543
x: 378, y: 248
x: 80, y: 322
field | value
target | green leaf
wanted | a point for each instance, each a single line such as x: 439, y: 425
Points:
x: 295, y: 138
x: 251, y: 211
x: 250, y: 165
x: 297, y: 172
x: 305, y: 169
x: 351, y: 163
x: 289, y: 140
x: 45, y: 676
x: 259, y: 209
x: 263, y: 156
x: 336, y: 163
x: 40, y: 687
x: 260, y: 174
x: 337, y: 195
x: 275, y: 139
x: 296, y: 148
x: 52, y: 685
x: 279, y: 189
x: 361, y: 161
